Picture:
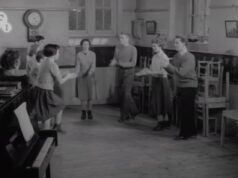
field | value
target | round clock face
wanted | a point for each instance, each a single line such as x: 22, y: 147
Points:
x: 33, y: 18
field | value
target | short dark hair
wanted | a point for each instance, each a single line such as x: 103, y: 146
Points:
x: 39, y: 38
x: 9, y: 59
x: 50, y: 50
x: 158, y: 42
x: 84, y: 40
x: 182, y: 39
x: 125, y: 34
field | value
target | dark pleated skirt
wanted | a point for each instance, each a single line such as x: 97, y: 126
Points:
x: 46, y: 103
x: 160, y: 97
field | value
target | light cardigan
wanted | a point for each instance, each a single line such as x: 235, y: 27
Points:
x: 159, y: 61
x: 48, y: 73
x: 84, y: 61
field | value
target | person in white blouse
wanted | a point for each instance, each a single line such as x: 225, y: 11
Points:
x: 161, y: 95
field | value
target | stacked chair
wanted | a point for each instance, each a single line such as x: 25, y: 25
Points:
x: 212, y: 94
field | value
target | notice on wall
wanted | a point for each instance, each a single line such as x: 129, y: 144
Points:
x: 5, y: 26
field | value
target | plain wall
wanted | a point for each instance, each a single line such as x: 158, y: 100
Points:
x: 153, y: 10
x: 219, y: 13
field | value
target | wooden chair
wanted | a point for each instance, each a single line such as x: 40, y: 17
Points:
x: 210, y: 94
x: 142, y: 92
x: 213, y: 70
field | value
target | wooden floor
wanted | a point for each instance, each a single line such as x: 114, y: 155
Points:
x: 104, y: 148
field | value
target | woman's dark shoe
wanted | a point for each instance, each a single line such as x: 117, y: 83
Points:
x: 166, y: 124
x: 90, y: 115
x: 180, y: 138
x: 158, y: 127
x: 185, y: 137
x: 162, y: 125
x: 83, y: 115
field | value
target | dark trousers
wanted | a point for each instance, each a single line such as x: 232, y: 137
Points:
x: 186, y: 109
x: 127, y: 105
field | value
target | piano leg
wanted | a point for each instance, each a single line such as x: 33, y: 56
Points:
x: 48, y: 171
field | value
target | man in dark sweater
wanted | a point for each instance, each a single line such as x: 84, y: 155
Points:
x: 183, y: 68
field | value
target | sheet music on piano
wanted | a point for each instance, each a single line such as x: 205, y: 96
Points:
x: 24, y: 122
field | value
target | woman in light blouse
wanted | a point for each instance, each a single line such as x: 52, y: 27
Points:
x: 160, y: 96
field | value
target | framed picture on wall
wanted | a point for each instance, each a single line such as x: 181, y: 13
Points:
x: 137, y: 28
x: 231, y: 28
x: 150, y: 27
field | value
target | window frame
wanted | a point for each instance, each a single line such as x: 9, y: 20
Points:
x: 90, y: 24
x: 195, y: 16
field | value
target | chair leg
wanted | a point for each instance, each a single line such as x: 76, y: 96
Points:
x: 223, y: 130
x: 204, y: 121
x: 216, y: 125
x: 207, y: 120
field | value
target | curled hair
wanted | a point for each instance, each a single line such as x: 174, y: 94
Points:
x: 10, y: 59
x: 182, y: 39
x: 39, y: 56
x: 158, y: 42
x: 84, y: 40
x: 50, y: 50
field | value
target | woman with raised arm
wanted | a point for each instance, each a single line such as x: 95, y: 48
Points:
x: 46, y: 102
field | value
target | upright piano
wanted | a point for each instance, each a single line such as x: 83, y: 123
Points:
x: 18, y: 157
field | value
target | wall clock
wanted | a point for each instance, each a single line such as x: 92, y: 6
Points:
x: 33, y: 19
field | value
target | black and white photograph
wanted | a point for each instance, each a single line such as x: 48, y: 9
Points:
x: 150, y: 27
x: 231, y: 28
x: 118, y: 89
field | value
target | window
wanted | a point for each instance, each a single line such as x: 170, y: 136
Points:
x: 198, y: 15
x: 103, y: 15
x: 77, y: 15
x: 92, y: 17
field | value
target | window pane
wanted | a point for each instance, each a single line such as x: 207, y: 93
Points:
x: 72, y: 20
x: 107, y: 3
x: 99, y: 3
x: 107, y: 19
x: 81, y: 20
x: 73, y: 3
x: 99, y: 19
x: 81, y: 3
